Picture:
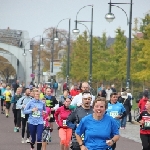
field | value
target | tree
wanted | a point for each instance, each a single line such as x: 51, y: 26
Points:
x: 118, y: 56
x: 6, y: 69
x: 79, y: 70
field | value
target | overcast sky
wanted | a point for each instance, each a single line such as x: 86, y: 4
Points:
x: 35, y: 16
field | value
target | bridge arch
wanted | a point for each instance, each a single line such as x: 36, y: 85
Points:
x: 21, y: 63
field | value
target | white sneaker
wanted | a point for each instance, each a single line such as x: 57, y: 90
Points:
x: 27, y: 141
x: 22, y: 141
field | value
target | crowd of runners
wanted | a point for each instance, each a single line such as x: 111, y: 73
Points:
x: 85, y: 121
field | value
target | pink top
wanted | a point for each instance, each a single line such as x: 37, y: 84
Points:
x: 61, y: 114
x: 46, y: 116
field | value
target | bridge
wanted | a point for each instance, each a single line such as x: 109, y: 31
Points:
x: 12, y: 43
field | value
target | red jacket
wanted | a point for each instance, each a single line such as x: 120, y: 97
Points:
x: 74, y: 92
x: 142, y: 103
x: 61, y: 114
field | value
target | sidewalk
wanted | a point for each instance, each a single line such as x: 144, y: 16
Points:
x: 132, y: 131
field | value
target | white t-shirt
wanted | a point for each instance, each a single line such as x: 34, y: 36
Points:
x: 108, y: 92
x: 77, y: 100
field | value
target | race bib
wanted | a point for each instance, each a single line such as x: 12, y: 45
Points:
x: 36, y: 114
x: 147, y: 123
x: 64, y: 123
x: 114, y: 114
x: 51, y: 115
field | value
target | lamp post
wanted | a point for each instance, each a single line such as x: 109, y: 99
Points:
x: 52, y: 49
x: 109, y: 17
x: 39, y: 54
x: 76, y: 32
x: 68, y: 43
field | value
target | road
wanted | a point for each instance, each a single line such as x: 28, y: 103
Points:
x: 12, y: 141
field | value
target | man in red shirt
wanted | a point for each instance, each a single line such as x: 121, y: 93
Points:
x: 74, y: 91
x: 142, y: 103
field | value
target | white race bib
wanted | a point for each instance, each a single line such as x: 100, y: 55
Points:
x: 147, y: 123
x: 64, y: 123
x: 36, y: 114
x: 114, y: 114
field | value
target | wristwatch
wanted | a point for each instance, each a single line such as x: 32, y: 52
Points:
x: 113, y: 141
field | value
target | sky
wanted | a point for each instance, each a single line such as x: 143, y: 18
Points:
x: 35, y: 16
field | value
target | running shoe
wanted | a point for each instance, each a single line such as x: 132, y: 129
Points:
x: 122, y: 128
x: 2, y: 112
x: 27, y: 141
x: 15, y: 129
x: 22, y: 141
x: 7, y: 116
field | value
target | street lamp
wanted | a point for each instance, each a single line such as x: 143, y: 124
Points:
x: 110, y: 18
x: 68, y: 42
x: 39, y: 53
x: 76, y: 32
x: 52, y: 49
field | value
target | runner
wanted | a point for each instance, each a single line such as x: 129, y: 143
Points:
x: 75, y: 117
x: 35, y: 108
x: 21, y: 103
x: 116, y: 110
x: 7, y: 94
x: 77, y: 100
x: 3, y: 98
x: 63, y: 97
x: 65, y: 133
x: 16, y: 111
x: 46, y: 136
x: 144, y: 120
x: 100, y: 130
x: 51, y: 102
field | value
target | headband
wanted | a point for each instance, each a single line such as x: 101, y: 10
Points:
x: 86, y: 95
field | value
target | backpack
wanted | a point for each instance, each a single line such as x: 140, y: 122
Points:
x: 55, y: 86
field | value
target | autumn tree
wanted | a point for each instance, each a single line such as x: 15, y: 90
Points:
x: 6, y: 70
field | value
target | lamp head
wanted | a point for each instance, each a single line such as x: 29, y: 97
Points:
x: 110, y: 17
x: 41, y: 45
x: 30, y: 50
x: 24, y: 54
x: 56, y: 39
x: 76, y: 31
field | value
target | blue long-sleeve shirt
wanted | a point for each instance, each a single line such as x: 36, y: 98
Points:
x: 35, y: 117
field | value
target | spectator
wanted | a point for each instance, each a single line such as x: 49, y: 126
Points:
x: 108, y: 92
x: 55, y: 87
x: 113, y: 88
x: 127, y: 105
x: 131, y: 98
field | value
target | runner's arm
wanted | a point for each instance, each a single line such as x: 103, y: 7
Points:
x: 56, y: 115
x: 71, y: 121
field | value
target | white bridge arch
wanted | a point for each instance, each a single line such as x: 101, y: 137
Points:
x: 14, y: 52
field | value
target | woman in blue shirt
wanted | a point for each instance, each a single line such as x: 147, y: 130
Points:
x: 34, y: 108
x: 100, y: 130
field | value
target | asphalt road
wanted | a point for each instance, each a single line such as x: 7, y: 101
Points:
x: 12, y: 141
